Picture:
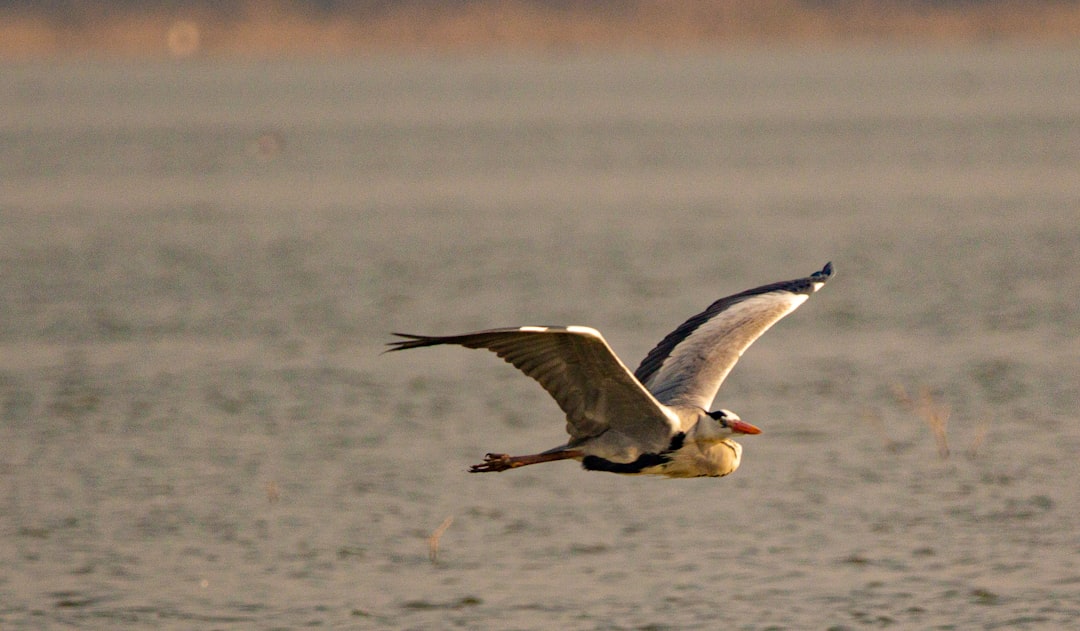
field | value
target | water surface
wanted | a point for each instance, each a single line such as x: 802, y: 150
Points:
x: 201, y: 262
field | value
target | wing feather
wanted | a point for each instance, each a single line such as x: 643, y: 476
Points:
x: 579, y: 370
x: 688, y: 366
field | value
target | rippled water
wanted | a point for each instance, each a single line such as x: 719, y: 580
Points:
x: 201, y: 262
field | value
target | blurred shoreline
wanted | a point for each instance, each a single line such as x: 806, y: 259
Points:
x: 260, y: 29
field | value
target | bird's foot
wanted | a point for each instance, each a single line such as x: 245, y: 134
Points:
x: 493, y: 462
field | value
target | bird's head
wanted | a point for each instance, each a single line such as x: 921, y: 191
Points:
x: 730, y: 422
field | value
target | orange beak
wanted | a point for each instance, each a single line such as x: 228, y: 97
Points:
x: 742, y: 427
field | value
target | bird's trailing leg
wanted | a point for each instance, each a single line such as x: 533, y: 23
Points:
x: 502, y: 462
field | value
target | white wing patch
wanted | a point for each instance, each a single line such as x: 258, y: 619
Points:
x: 776, y: 305
x: 533, y: 329
x: 584, y: 330
x: 693, y: 372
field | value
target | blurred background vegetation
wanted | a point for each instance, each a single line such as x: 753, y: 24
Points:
x: 264, y: 28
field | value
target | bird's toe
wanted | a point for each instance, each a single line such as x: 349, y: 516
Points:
x: 492, y: 462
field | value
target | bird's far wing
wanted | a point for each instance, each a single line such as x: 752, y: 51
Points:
x: 688, y: 366
x: 580, y: 371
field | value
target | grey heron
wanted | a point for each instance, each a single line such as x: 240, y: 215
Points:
x: 655, y: 420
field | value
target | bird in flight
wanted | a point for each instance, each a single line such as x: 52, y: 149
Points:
x: 656, y: 419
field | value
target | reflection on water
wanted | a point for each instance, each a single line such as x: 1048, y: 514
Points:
x: 202, y: 262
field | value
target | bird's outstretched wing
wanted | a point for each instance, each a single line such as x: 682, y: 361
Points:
x: 580, y: 371
x: 688, y: 366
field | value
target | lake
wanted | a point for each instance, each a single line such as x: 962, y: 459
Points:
x: 203, y: 260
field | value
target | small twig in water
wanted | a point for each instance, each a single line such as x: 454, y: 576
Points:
x: 874, y: 418
x: 433, y: 540
x: 273, y: 493
x: 980, y: 436
x: 935, y: 414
